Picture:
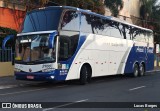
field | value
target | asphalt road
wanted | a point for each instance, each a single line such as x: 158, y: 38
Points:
x: 68, y: 94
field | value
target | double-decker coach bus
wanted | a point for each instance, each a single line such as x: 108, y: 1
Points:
x: 64, y: 43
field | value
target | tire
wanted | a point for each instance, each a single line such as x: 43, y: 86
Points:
x: 85, y: 75
x: 135, y: 70
x: 141, y: 70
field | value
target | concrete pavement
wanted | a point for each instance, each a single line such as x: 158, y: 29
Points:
x: 105, y: 89
x: 10, y: 82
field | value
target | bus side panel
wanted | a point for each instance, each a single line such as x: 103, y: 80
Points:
x: 150, y: 59
x: 138, y: 54
x: 106, y: 55
x: 70, y: 64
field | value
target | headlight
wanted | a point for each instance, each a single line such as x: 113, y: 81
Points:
x: 17, y: 70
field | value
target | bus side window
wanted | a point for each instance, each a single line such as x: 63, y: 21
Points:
x: 127, y: 32
x: 150, y: 37
x: 70, y: 21
x: 135, y: 33
x: 86, y: 25
x: 115, y: 30
x: 68, y: 43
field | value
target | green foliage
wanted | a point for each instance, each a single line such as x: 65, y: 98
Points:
x: 114, y: 5
x: 150, y: 13
x: 94, y: 5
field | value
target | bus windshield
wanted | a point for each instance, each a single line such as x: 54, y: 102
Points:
x: 41, y: 20
x: 34, y: 48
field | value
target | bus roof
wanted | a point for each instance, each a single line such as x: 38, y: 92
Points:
x: 93, y: 13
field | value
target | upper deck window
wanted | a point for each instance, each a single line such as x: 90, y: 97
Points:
x: 42, y: 20
x: 70, y: 21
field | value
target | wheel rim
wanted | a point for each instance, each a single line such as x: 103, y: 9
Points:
x: 141, y: 70
x: 136, y: 71
x: 86, y: 73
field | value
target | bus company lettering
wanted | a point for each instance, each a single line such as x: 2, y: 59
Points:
x: 140, y: 49
x: 116, y: 44
x: 150, y: 50
x: 47, y: 66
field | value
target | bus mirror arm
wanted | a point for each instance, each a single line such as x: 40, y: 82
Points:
x: 5, y: 41
x: 52, y: 39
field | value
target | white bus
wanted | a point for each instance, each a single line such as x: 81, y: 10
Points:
x: 65, y: 43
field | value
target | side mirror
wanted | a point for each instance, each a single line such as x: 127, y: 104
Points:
x: 5, y: 41
x: 51, y: 40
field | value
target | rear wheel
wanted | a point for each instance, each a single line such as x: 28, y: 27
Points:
x: 85, y: 75
x: 135, y: 70
x: 141, y: 70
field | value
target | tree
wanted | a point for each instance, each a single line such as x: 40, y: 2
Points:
x: 114, y: 5
x: 4, y: 32
x: 149, y: 11
x: 146, y: 10
x: 93, y: 5
x: 150, y: 14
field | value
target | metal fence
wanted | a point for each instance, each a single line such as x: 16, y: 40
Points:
x: 6, y: 55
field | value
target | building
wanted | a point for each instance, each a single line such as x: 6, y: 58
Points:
x: 11, y: 14
x: 130, y: 11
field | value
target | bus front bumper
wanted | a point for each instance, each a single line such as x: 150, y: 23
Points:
x: 47, y: 76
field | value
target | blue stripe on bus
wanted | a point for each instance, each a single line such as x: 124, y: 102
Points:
x: 59, y: 76
x: 139, y: 54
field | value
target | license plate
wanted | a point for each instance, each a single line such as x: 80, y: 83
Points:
x: 30, y: 77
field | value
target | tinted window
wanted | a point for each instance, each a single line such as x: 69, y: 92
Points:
x: 115, y: 29
x: 102, y: 26
x: 126, y: 30
x: 68, y: 43
x: 150, y: 37
x: 70, y: 21
x: 106, y: 25
x: 86, y: 23
x: 42, y: 20
x: 139, y: 35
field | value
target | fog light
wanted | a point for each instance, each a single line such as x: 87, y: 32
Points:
x: 52, y: 77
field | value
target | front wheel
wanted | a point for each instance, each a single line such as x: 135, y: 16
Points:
x: 85, y: 75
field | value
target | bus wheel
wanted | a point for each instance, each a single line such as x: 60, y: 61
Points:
x: 85, y: 75
x: 141, y: 70
x: 135, y: 70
